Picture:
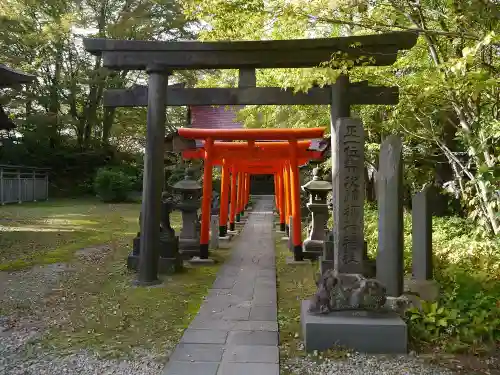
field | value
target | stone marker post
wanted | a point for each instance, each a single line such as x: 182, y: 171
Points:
x: 348, y: 192
x: 422, y: 236
x: 214, y: 232
x: 390, y: 265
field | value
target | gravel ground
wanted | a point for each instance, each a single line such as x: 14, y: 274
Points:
x: 361, y: 364
x: 25, y: 291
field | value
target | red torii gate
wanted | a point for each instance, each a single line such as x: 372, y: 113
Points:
x: 289, y: 160
x: 252, y: 165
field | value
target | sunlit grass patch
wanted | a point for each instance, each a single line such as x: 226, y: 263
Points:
x: 112, y: 317
x: 50, y: 232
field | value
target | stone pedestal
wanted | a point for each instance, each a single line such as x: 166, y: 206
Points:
x: 169, y: 260
x: 362, y: 331
x: 225, y: 242
x: 214, y: 232
x: 315, y: 242
x: 427, y: 290
x: 318, y: 191
x: 326, y: 260
x: 197, y: 261
x: 189, y: 239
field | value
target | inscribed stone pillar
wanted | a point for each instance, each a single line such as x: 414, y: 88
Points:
x: 390, y: 265
x: 153, y: 176
x: 422, y: 235
x: 339, y: 108
x: 214, y: 231
x: 349, y: 197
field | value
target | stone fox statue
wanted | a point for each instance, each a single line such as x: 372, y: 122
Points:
x: 342, y: 291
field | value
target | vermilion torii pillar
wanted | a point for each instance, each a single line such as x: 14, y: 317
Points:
x: 224, y: 199
x: 239, y: 192
x: 281, y: 195
x: 251, y: 135
x: 232, y: 214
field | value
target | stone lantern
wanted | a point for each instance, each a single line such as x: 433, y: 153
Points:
x: 318, y: 191
x: 189, y: 204
x: 169, y: 258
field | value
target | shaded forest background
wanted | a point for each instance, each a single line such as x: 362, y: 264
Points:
x: 448, y: 115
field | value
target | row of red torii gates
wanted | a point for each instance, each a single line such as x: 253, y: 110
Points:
x: 279, y: 152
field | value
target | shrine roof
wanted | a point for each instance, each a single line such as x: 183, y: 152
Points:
x: 11, y: 77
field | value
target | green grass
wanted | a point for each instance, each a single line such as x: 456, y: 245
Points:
x: 50, y: 232
x: 293, y: 287
x: 97, y: 307
x: 112, y: 317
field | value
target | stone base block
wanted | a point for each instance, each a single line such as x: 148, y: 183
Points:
x: 188, y: 254
x: 377, y: 333
x: 188, y: 244
x: 233, y: 232
x: 293, y: 262
x: 133, y: 262
x: 428, y: 290
x: 312, y: 255
x: 166, y: 266
x: 224, y: 242
x: 325, y: 265
x: 285, y: 239
x: 196, y: 261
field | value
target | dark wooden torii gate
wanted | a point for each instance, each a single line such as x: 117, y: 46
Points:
x: 159, y: 59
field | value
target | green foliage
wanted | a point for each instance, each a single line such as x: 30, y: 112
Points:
x: 112, y: 185
x: 448, y: 83
x: 61, y: 122
x: 467, y: 315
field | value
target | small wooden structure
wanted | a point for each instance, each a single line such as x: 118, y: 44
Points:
x: 23, y: 184
x: 159, y: 59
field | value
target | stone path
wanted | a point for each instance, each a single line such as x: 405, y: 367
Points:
x: 236, y: 329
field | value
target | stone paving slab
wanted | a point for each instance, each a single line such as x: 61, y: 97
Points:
x: 191, y: 368
x: 254, y: 325
x: 268, y: 338
x: 252, y: 354
x: 198, y: 353
x: 235, y: 331
x: 264, y: 313
x: 204, y: 336
x: 230, y: 368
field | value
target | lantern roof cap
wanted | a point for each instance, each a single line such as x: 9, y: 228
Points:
x: 317, y: 184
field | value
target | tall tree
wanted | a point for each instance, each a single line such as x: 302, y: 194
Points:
x: 449, y: 82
